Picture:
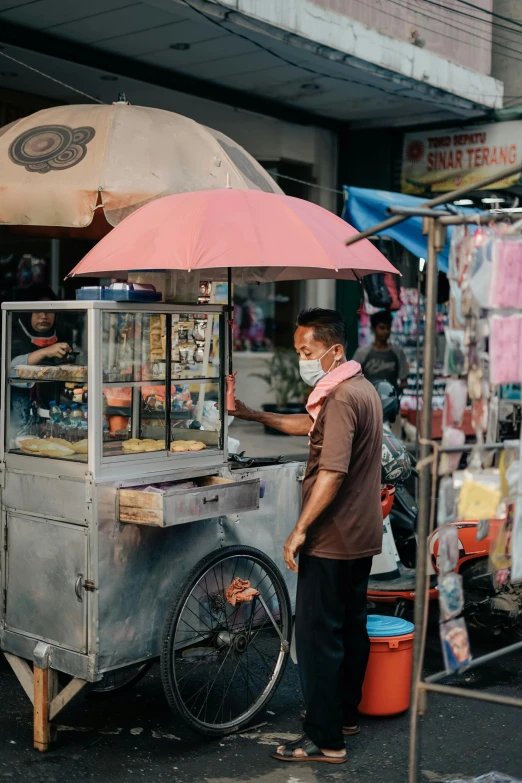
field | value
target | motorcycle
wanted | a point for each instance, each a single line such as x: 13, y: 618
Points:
x: 392, y: 580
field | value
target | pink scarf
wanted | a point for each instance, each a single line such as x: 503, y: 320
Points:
x: 327, y: 384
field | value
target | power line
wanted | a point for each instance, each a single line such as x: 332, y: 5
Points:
x: 304, y: 182
x: 447, y: 24
x: 285, y: 59
x: 46, y: 75
x: 490, y: 13
x: 472, y: 16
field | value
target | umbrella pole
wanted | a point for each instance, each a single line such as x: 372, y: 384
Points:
x: 231, y: 375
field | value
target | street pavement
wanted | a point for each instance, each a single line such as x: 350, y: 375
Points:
x: 133, y: 737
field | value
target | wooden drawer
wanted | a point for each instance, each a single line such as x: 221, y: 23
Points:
x: 212, y: 497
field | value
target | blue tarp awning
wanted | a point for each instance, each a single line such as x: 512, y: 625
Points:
x: 364, y: 208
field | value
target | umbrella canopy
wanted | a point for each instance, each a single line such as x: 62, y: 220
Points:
x: 57, y: 165
x: 262, y: 237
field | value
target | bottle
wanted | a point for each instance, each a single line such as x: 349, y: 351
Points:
x: 75, y: 421
x: 65, y: 423
x: 85, y: 419
x: 54, y: 419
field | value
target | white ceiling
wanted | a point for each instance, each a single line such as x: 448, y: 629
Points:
x: 145, y: 31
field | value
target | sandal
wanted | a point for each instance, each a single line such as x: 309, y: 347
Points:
x: 348, y: 731
x: 313, y: 753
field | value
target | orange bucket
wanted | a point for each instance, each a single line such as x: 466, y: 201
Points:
x: 386, y: 687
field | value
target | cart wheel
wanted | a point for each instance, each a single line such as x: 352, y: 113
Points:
x: 119, y: 680
x: 220, y: 664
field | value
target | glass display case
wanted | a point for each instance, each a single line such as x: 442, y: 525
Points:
x: 117, y: 379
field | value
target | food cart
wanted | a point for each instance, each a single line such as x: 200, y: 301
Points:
x: 124, y: 530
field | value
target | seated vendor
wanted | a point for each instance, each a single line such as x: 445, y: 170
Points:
x: 34, y: 341
x: 34, y: 333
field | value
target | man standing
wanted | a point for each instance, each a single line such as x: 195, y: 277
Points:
x: 383, y: 361
x: 337, y: 534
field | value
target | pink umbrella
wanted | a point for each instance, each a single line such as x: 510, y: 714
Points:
x: 239, y: 235
x: 262, y: 237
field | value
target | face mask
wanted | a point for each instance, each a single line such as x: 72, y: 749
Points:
x: 311, y: 370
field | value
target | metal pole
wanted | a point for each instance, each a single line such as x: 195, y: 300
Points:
x: 492, y: 698
x: 492, y: 656
x: 230, y: 321
x: 435, y: 244
x: 444, y: 198
x: 54, y: 271
x: 417, y: 381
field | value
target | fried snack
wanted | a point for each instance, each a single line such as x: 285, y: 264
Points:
x: 25, y: 371
x: 72, y: 372
x: 81, y: 447
x: 30, y: 445
x: 60, y: 441
x: 178, y: 446
x: 186, y: 445
x: 196, y: 445
x: 46, y: 448
x: 135, y: 445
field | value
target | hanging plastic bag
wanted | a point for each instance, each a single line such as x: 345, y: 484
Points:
x: 450, y: 462
x: 506, y: 276
x: 378, y: 294
x: 448, y: 501
x: 500, y: 554
x: 455, y: 399
x: 504, y: 349
x: 455, y: 644
x: 448, y: 552
x: 455, y: 359
x: 480, y: 495
x: 393, y: 287
x: 478, y: 277
x: 451, y: 595
x: 516, y: 544
x: 456, y: 318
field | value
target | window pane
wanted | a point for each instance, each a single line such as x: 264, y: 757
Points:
x: 196, y: 418
x: 48, y: 405
x: 195, y: 346
x: 134, y: 346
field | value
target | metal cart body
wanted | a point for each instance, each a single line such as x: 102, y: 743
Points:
x: 95, y: 591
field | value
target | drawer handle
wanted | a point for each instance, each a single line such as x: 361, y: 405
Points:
x: 211, y: 500
x: 78, y: 587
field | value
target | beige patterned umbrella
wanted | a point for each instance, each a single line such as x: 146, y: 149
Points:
x: 61, y: 164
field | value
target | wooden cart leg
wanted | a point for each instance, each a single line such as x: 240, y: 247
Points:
x: 41, y: 686
x: 42, y: 734
x: 45, y: 681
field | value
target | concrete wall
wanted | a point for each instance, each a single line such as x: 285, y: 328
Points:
x: 461, y: 39
x: 506, y: 51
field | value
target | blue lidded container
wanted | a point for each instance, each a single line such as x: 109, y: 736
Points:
x: 379, y: 625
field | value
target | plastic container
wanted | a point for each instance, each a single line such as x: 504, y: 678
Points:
x: 386, y: 688
x: 122, y: 294
x: 65, y: 423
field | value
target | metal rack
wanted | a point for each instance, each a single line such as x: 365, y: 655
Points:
x: 435, y: 222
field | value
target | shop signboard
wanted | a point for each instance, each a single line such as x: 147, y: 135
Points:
x: 446, y: 159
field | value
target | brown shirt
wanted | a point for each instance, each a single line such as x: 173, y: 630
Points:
x: 347, y: 438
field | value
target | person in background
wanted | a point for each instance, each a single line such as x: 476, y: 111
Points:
x: 34, y: 341
x: 337, y: 533
x: 383, y: 361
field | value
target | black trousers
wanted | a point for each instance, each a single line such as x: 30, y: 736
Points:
x: 332, y: 644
